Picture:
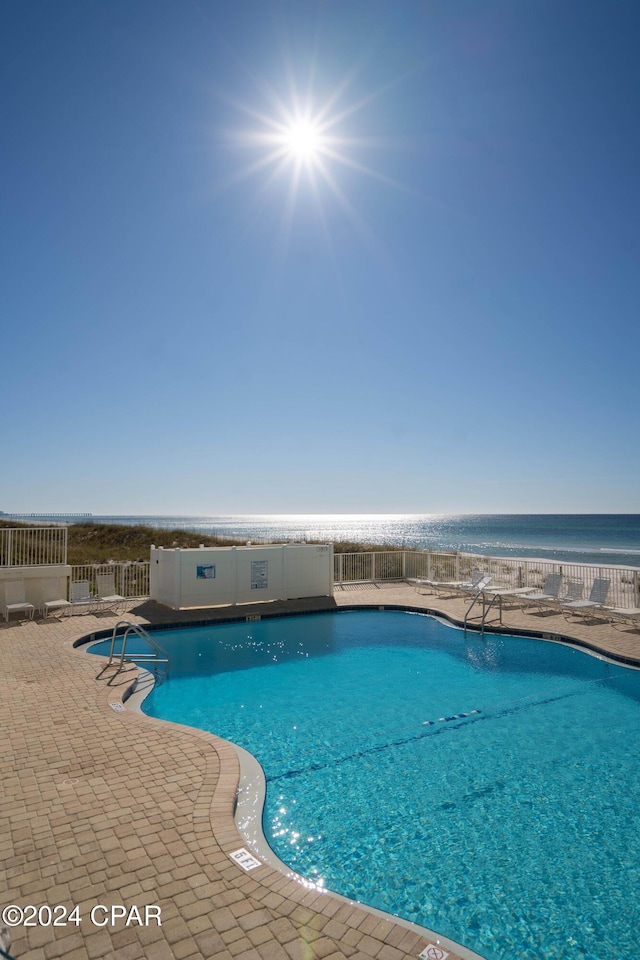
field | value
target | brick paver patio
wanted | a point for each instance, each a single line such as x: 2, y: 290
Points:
x: 105, y: 807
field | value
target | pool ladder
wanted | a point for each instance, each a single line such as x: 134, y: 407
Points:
x: 157, y: 658
x: 487, y: 606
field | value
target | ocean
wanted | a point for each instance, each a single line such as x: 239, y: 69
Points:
x: 579, y: 538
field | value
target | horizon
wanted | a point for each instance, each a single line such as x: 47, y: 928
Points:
x: 293, y: 516
x: 320, y: 259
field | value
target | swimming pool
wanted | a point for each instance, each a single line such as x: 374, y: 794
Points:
x: 483, y: 787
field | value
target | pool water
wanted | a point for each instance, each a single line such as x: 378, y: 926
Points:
x: 483, y: 787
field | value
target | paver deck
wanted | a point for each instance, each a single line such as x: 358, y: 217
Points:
x: 102, y: 807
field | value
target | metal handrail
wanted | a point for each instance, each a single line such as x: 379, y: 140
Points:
x: 158, y: 654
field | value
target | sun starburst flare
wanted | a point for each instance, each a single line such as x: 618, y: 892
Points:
x: 305, y: 145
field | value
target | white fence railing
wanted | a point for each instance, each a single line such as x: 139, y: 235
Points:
x: 32, y: 546
x: 506, y: 571
x: 131, y: 577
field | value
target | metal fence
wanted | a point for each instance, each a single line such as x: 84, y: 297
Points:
x: 505, y: 571
x: 362, y: 567
x: 131, y: 578
x: 32, y: 546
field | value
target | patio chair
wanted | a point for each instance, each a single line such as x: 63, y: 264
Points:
x: 477, y: 586
x: 107, y: 596
x: 15, y: 599
x: 81, y: 596
x: 451, y: 586
x: 51, y: 599
x: 549, y: 594
x: 574, y: 591
x: 623, y: 616
x: 597, y: 597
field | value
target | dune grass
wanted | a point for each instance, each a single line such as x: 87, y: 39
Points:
x: 100, y: 542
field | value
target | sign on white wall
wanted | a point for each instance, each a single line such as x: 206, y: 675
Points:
x: 259, y: 578
x: 206, y: 573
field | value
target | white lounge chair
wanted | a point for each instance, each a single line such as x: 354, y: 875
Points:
x: 623, y: 616
x: 51, y: 599
x: 15, y: 599
x: 549, y: 593
x: 479, y: 586
x: 81, y: 596
x: 574, y: 591
x: 450, y: 586
x: 597, y: 597
x: 107, y: 596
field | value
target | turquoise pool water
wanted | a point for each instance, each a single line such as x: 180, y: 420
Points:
x: 484, y: 787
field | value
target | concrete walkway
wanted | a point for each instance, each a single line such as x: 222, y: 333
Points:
x: 104, y: 807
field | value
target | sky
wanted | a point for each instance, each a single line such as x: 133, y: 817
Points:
x: 352, y: 256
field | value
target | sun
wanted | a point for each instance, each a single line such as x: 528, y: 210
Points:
x: 303, y: 141
x: 297, y: 139
x: 302, y: 145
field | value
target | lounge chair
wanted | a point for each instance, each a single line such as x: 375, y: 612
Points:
x: 597, y: 597
x: 623, y: 616
x: 15, y: 599
x: 549, y: 593
x: 574, y: 591
x: 51, y: 599
x: 451, y: 586
x: 478, y: 587
x: 81, y: 596
x: 107, y: 596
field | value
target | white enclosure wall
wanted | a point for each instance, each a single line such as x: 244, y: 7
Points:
x: 55, y: 576
x: 225, y: 575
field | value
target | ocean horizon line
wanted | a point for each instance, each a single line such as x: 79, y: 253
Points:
x: 224, y: 516
x: 596, y: 538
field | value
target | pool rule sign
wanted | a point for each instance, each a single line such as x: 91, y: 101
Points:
x: 433, y: 952
x: 259, y: 579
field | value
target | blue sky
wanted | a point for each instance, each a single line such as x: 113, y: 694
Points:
x: 430, y: 307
